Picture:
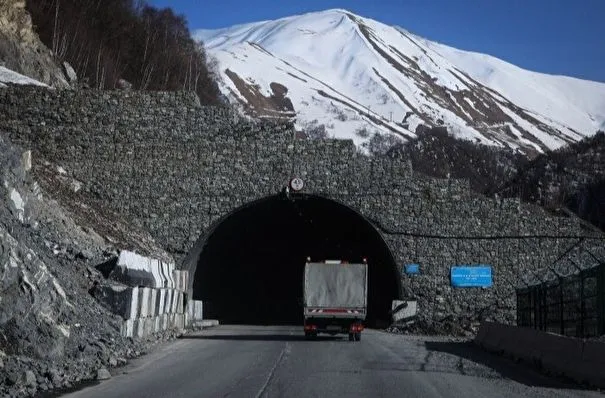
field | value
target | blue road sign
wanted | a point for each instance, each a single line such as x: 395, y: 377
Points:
x: 411, y: 268
x: 471, y: 276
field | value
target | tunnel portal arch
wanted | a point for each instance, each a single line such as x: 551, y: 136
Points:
x: 248, y: 267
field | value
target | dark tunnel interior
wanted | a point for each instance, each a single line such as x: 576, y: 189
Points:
x: 250, y: 270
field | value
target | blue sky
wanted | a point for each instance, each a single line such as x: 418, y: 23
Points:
x: 552, y: 36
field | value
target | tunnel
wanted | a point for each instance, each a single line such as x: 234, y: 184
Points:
x: 250, y: 269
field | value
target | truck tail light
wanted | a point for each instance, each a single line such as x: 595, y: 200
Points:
x: 356, y: 328
x: 310, y: 327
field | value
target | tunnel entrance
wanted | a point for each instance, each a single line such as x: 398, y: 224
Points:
x: 250, y: 269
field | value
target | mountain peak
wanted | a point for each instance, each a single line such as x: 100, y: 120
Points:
x: 333, y: 11
x: 350, y: 73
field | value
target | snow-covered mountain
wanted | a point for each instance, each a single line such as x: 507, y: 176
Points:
x: 348, y: 72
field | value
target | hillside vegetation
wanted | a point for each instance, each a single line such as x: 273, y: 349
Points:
x: 118, y: 43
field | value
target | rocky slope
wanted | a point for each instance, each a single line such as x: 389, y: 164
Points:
x: 52, y: 331
x: 348, y: 72
x: 437, y: 153
x: 572, y: 177
x: 22, y: 51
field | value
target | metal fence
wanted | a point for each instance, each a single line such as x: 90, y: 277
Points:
x: 573, y: 305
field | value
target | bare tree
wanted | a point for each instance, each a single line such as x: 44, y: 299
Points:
x: 107, y: 41
x: 380, y: 144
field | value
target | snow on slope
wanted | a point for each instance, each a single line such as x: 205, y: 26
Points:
x: 569, y: 99
x: 8, y: 76
x: 348, y: 72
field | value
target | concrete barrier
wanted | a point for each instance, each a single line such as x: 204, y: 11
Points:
x: 523, y: 345
x: 160, y: 302
x: 181, y: 280
x: 592, y: 367
x: 180, y: 303
x: 404, y: 311
x: 135, y: 270
x: 493, y: 340
x: 140, y: 302
x: 195, y: 313
x: 578, y: 359
x: 482, y: 333
x: 119, y: 299
x: 175, y: 301
x: 559, y: 354
x: 167, y: 297
x: 151, y: 296
x: 207, y: 323
x: 144, y: 327
x: 144, y: 302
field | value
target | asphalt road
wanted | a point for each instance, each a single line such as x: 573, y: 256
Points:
x: 239, y: 361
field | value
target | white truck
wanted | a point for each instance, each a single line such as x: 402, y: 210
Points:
x: 335, y: 298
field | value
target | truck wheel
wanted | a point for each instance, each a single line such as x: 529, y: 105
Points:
x: 357, y: 336
x: 351, y: 337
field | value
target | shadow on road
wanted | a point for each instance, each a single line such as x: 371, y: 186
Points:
x: 261, y: 337
x: 520, y: 372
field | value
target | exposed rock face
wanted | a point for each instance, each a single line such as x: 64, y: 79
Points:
x: 22, y: 51
x: 53, y: 333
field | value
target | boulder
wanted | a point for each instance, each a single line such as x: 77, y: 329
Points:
x: 103, y: 374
